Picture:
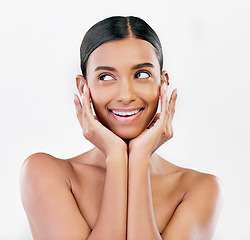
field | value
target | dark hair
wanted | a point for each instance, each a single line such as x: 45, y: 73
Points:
x: 117, y: 28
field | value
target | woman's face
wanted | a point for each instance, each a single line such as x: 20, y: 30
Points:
x: 124, y: 79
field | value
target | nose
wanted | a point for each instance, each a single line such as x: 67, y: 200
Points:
x: 126, y: 92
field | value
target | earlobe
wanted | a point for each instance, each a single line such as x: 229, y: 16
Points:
x: 80, y: 82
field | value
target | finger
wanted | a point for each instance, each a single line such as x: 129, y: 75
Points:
x: 169, y: 126
x: 164, y: 101
x: 86, y: 102
x: 172, y: 102
x: 156, y: 118
x: 78, y: 107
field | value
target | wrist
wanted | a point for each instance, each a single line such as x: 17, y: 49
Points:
x: 117, y: 154
x: 117, y: 149
x: 139, y: 153
x: 139, y: 160
x: 136, y: 149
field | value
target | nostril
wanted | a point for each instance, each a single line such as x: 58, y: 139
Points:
x: 126, y: 96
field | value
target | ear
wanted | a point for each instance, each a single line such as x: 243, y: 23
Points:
x: 80, y: 82
x: 164, y: 77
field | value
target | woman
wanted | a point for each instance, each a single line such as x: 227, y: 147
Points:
x: 121, y: 189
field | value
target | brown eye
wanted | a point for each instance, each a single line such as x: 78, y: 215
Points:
x: 142, y: 75
x: 106, y: 77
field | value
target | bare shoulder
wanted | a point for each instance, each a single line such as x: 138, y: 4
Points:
x: 193, y: 186
x: 41, y: 169
x: 48, y: 200
x: 43, y: 164
x: 199, y: 205
x: 202, y: 183
x: 191, y: 180
x: 41, y: 158
x: 203, y: 196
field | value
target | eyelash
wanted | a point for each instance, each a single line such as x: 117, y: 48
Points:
x: 144, y: 71
x: 108, y: 74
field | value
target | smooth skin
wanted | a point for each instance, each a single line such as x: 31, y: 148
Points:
x: 121, y: 189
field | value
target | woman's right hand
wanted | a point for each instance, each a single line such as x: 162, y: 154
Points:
x: 93, y: 130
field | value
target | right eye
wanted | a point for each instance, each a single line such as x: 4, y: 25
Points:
x: 106, y: 77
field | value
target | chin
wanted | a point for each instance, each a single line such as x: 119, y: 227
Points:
x: 127, y: 134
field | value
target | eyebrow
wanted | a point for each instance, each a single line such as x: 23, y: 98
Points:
x: 137, y: 66
x: 105, y: 68
x: 141, y: 65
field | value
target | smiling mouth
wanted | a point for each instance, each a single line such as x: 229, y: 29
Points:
x: 126, y: 113
x: 126, y: 116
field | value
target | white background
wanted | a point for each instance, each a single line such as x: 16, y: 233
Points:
x: 207, y: 55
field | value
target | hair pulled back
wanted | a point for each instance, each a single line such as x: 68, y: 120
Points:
x: 117, y: 28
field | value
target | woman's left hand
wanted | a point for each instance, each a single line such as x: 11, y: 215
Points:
x: 160, y: 130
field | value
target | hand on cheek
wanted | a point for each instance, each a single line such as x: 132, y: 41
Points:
x: 93, y: 130
x: 160, y: 130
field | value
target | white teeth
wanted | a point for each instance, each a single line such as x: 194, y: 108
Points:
x: 126, y: 113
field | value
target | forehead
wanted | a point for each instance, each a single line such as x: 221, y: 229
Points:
x: 125, y: 52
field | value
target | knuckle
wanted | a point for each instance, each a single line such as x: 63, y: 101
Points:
x: 168, y: 109
x: 78, y: 114
x: 88, y: 132
x: 85, y: 132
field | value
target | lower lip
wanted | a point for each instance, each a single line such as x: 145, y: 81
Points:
x: 126, y: 119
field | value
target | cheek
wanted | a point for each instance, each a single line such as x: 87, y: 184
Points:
x: 150, y: 94
x: 99, y: 96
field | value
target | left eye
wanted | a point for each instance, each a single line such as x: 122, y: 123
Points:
x: 142, y: 75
